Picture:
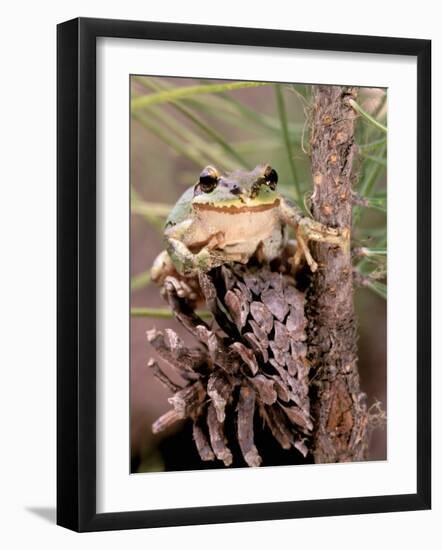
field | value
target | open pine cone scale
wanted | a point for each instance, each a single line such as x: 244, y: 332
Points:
x: 250, y: 359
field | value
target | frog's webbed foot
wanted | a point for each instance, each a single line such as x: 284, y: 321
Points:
x: 311, y: 230
x: 187, y: 287
x: 189, y: 263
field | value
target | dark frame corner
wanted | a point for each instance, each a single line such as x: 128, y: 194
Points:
x: 76, y: 286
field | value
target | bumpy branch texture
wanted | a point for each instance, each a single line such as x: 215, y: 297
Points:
x: 338, y: 406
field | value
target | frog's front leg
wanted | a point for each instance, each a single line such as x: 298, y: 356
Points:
x: 307, y: 229
x: 210, y: 256
x: 188, y: 262
x: 163, y: 268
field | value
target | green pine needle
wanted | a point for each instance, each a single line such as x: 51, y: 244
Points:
x: 140, y: 281
x: 162, y: 313
x: 367, y: 116
x: 173, y: 94
x: 286, y: 138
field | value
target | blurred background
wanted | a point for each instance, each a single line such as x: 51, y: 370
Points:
x: 178, y: 126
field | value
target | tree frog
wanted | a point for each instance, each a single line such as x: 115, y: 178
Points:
x: 229, y: 218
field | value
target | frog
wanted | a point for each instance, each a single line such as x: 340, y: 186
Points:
x: 231, y: 217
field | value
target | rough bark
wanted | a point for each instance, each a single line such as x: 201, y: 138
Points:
x: 338, y: 406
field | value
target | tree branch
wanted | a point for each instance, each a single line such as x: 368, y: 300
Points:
x: 339, y: 409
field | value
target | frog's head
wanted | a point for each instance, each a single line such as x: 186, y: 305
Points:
x: 237, y: 191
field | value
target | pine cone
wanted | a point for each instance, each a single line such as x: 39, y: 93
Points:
x: 252, y: 358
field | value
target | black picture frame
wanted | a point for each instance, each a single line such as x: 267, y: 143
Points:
x: 77, y: 287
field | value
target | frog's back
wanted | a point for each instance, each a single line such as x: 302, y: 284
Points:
x: 180, y: 211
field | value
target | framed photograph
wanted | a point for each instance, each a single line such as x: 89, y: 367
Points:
x: 243, y: 274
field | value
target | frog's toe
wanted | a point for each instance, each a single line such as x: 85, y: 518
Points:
x: 217, y: 241
x: 180, y: 287
x: 161, y: 267
x: 302, y: 251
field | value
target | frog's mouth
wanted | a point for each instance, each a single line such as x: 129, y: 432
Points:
x: 235, y: 209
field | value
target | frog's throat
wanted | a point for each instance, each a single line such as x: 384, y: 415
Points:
x: 236, y: 209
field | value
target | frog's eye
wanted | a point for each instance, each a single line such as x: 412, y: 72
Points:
x: 208, y: 179
x: 271, y: 177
